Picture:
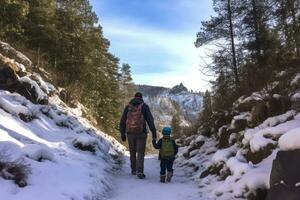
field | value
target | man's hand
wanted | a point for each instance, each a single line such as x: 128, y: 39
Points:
x: 154, y: 141
x: 123, y: 137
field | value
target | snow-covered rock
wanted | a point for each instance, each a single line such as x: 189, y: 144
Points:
x: 165, y: 103
x: 235, y: 160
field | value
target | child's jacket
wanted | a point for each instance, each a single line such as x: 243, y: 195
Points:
x: 167, y: 148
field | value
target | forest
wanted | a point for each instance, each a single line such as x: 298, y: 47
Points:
x: 254, y: 41
x: 65, y: 38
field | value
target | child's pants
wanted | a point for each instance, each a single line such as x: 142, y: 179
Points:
x: 166, y: 164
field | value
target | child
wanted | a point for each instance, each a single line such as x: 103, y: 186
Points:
x: 167, y: 151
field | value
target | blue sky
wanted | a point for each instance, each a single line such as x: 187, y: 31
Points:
x: 156, y: 38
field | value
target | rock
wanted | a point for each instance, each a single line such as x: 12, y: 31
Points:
x: 257, y: 157
x: 178, y: 89
x: 239, y: 124
x: 247, y: 105
x: 260, y: 194
x: 259, y: 113
x: 211, y: 170
x: 285, y: 169
x: 205, y: 131
x: 90, y: 148
x: 29, y: 92
x: 224, y: 137
x: 8, y: 51
x: 194, y: 146
x: 8, y: 76
x: 277, y: 106
x: 25, y: 118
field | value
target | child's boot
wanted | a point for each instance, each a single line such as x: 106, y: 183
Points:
x: 163, y: 178
x: 169, y: 176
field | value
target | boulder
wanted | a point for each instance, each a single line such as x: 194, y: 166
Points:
x: 224, y: 137
x: 194, y: 146
x: 8, y: 51
x: 212, y: 170
x: 8, y: 75
x: 277, y: 106
x: 246, y: 106
x: 29, y: 92
x: 257, y: 157
x: 239, y: 124
x: 285, y: 177
x: 259, y: 113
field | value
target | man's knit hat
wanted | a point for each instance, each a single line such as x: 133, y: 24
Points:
x: 138, y: 95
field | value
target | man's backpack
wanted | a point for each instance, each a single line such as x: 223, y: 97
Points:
x: 167, y: 150
x: 135, y: 119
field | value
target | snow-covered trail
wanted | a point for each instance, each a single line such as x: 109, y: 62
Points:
x: 127, y: 186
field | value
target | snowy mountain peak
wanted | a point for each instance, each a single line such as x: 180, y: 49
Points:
x: 165, y: 103
x: 178, y: 89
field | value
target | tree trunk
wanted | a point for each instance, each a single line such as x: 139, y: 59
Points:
x: 295, y: 26
x: 234, y: 62
x: 256, y: 29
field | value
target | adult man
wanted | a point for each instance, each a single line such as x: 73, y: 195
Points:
x: 133, y: 124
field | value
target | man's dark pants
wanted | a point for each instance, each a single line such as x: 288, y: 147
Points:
x: 166, y: 164
x: 137, y: 146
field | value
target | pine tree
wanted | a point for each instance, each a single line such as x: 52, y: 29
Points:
x: 221, y: 27
x: 126, y: 84
x: 175, y: 125
x: 207, y: 107
x: 12, y: 16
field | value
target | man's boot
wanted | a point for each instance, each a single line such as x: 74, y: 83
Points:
x: 162, y: 178
x: 169, y: 176
x: 133, y: 172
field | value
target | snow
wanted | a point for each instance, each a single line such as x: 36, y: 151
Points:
x: 238, y: 178
x: 45, y: 86
x: 223, y: 154
x: 40, y: 93
x: 86, y: 140
x: 11, y: 106
x: 165, y: 104
x: 291, y: 140
x: 272, y: 128
x: 128, y: 186
x: 295, y: 80
x: 58, y: 169
x: 38, y: 152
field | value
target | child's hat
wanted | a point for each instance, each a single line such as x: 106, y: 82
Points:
x: 166, y: 131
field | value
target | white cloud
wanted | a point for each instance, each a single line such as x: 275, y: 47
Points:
x: 178, y: 50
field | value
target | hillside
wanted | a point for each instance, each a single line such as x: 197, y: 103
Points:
x: 231, y: 156
x: 166, y: 102
x: 47, y: 147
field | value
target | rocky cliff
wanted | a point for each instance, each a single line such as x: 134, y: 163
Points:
x: 166, y: 102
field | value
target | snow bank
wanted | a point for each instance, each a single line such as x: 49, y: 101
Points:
x: 38, y: 152
x: 58, y: 169
x: 228, y: 173
x: 291, y: 140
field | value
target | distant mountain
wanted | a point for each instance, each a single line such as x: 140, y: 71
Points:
x: 166, y: 102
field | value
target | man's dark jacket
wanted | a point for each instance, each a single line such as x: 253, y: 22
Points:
x: 147, y: 116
